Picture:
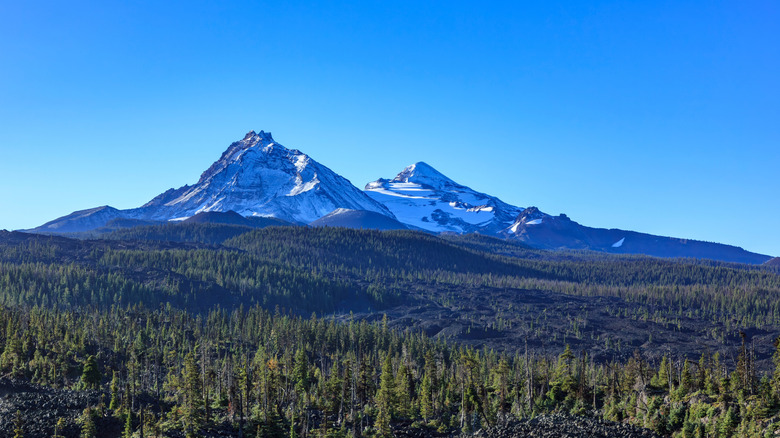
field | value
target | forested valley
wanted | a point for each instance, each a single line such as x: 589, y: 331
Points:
x: 217, y: 330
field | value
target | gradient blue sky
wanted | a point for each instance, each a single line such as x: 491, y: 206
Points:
x: 656, y: 116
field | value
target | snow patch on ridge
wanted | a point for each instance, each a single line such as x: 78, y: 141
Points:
x: 619, y: 243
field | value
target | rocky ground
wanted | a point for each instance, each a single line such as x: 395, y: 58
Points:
x: 565, y: 426
x: 607, y: 328
x: 41, y: 407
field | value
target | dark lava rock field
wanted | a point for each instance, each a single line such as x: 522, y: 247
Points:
x: 42, y: 407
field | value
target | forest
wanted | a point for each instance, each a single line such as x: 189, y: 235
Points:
x: 215, y: 330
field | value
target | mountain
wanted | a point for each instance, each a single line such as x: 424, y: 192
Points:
x: 424, y: 198
x: 83, y: 220
x: 358, y: 219
x: 544, y: 231
x: 259, y: 177
x: 254, y: 177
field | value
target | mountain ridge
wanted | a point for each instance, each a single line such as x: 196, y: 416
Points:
x: 256, y: 177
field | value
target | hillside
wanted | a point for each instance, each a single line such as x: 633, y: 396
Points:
x: 478, y: 290
x: 323, y: 308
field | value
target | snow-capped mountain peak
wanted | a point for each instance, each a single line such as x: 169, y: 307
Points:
x: 425, y: 175
x: 255, y: 176
x: 423, y: 197
x: 252, y: 140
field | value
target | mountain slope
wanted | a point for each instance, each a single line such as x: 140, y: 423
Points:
x: 422, y: 197
x: 357, y: 219
x: 259, y: 177
x: 255, y: 177
x: 541, y: 230
x: 84, y: 220
x: 233, y: 218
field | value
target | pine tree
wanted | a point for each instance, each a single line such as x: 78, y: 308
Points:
x: 192, y: 417
x: 90, y: 375
x: 501, y: 385
x: 426, y: 398
x: 11, y: 359
x: 18, y: 425
x: 272, y: 427
x: 385, y: 398
x: 727, y: 423
x: 661, y: 379
x: 686, y: 380
x: 403, y: 390
x: 776, y: 374
x: 114, y: 403
x: 301, y: 372
x: 58, y: 428
x: 563, y: 383
x: 88, y: 429
x: 128, y: 431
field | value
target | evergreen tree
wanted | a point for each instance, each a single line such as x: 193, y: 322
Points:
x: 385, y: 398
x: 662, y: 378
x: 88, y: 429
x: 563, y: 384
x: 90, y: 375
x: 776, y: 374
x: 18, y: 425
x: 128, y: 431
x: 426, y: 398
x: 686, y: 380
x: 272, y: 427
x: 192, y: 417
x: 727, y: 423
x: 301, y: 372
x: 404, y: 391
x: 114, y: 403
x: 58, y: 428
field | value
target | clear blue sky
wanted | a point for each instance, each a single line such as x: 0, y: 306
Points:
x: 656, y: 116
